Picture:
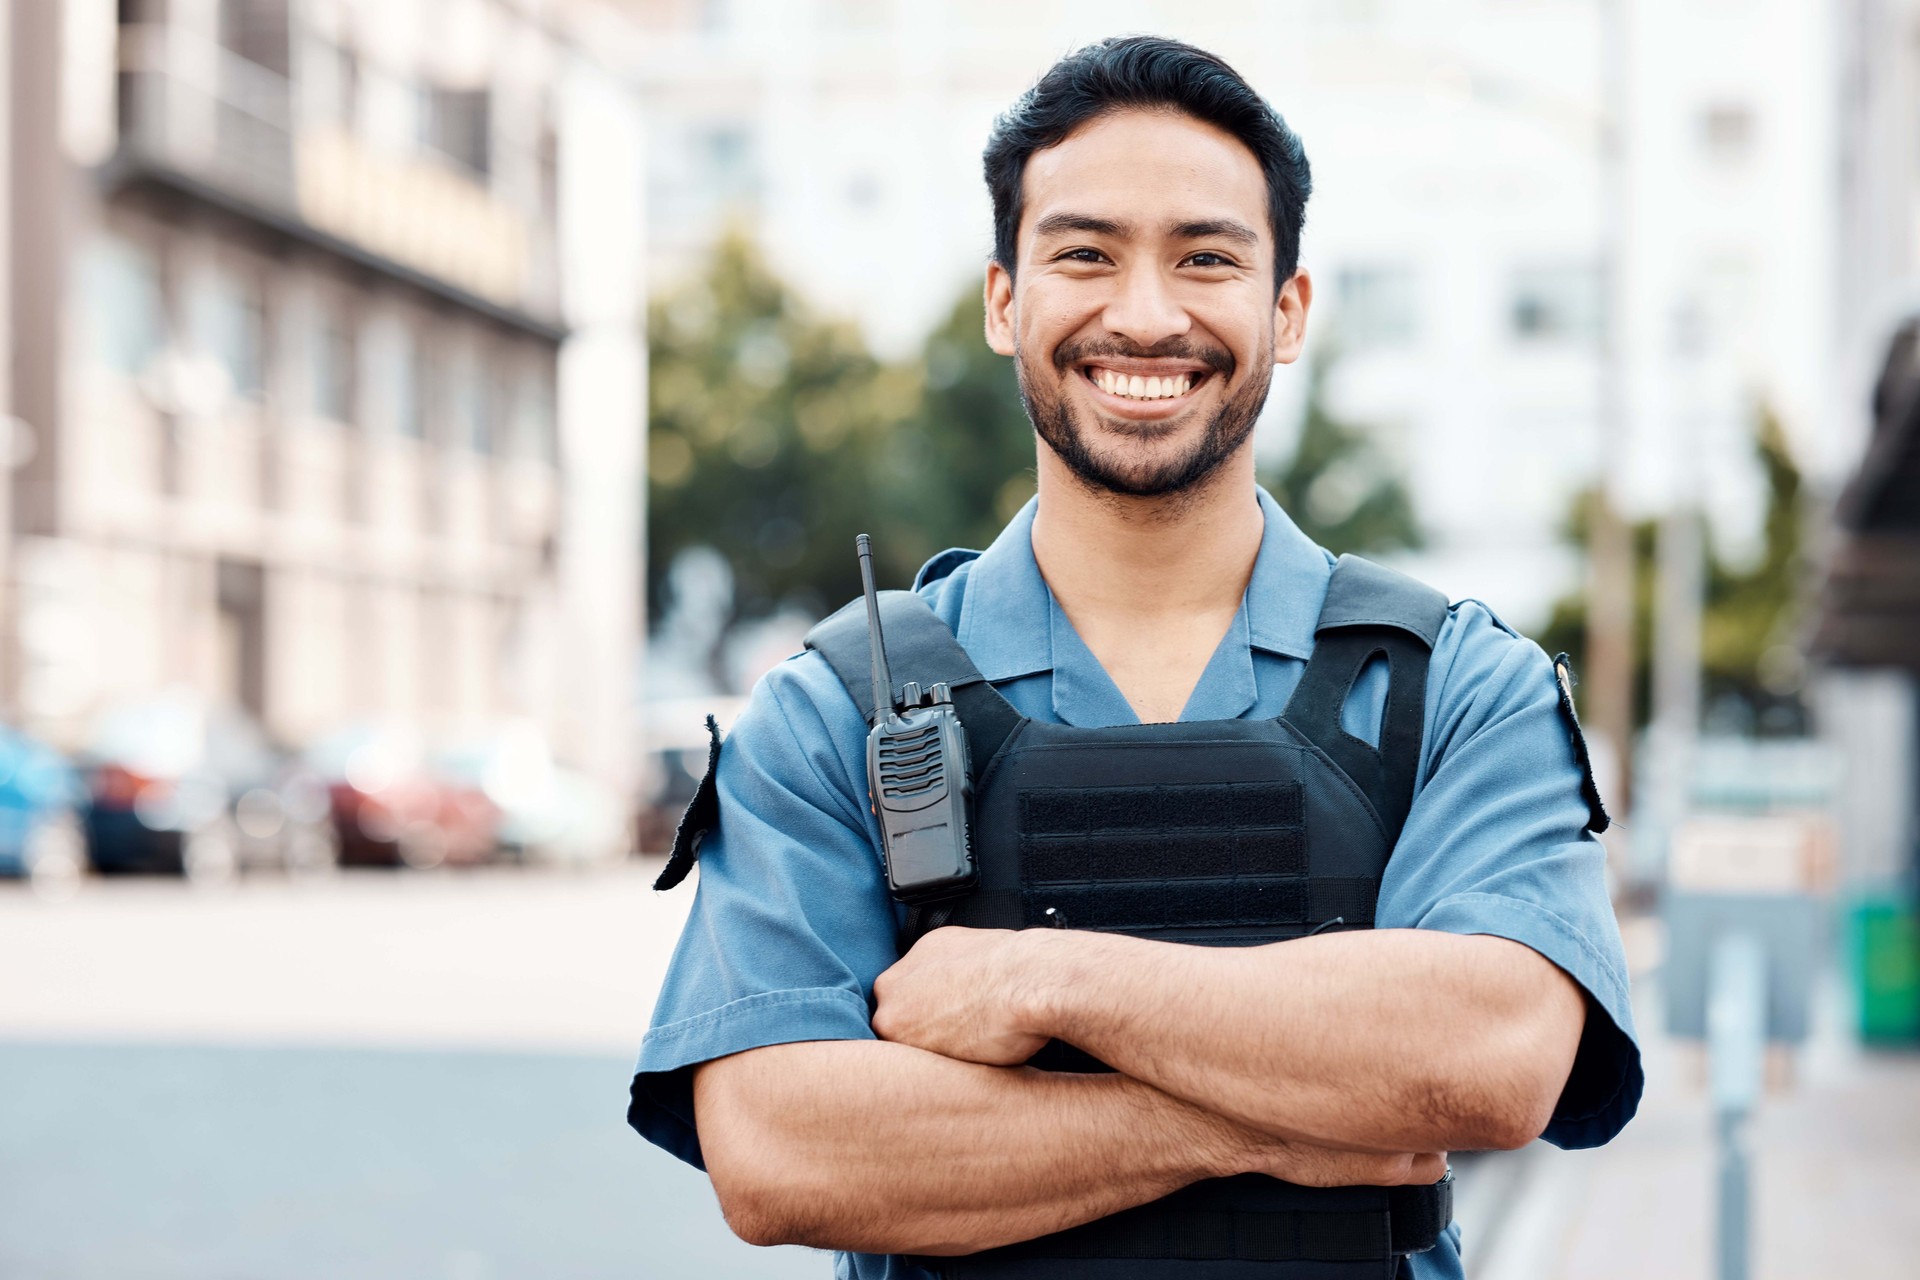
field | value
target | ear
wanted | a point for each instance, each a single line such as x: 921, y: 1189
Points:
x: 1000, y: 326
x: 1290, y: 317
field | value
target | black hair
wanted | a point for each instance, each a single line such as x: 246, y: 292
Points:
x: 1151, y: 73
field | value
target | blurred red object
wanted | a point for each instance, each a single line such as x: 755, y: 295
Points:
x: 390, y: 810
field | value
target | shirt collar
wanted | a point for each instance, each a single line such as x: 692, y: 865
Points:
x: 1005, y: 616
x: 1011, y: 627
x: 1288, y: 586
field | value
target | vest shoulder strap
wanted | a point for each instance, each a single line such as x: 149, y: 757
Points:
x: 921, y: 648
x: 1364, y: 594
x: 1371, y: 612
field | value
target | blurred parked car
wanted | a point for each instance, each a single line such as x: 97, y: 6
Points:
x: 176, y: 786
x: 39, y: 830
x: 546, y: 812
x: 389, y: 810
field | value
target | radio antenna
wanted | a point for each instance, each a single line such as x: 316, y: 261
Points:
x: 882, y: 678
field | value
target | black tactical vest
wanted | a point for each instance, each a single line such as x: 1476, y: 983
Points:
x: 1221, y: 832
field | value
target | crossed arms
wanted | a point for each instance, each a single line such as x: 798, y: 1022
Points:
x: 1340, y: 1059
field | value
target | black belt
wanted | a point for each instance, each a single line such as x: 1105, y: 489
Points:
x: 1411, y: 1223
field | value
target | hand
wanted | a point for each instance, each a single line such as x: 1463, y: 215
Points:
x: 1311, y: 1166
x: 958, y: 993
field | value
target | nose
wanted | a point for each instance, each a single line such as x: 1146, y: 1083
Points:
x: 1143, y: 308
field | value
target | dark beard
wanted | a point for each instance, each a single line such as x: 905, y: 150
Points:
x: 1053, y: 420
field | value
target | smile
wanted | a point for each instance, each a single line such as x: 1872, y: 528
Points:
x: 1133, y: 386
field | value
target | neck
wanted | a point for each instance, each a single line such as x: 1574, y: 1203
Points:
x: 1186, y: 553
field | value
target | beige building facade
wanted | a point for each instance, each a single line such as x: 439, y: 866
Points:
x: 313, y: 422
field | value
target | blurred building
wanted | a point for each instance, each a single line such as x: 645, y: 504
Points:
x: 1867, y: 625
x: 1868, y: 630
x: 1466, y: 236
x: 326, y: 339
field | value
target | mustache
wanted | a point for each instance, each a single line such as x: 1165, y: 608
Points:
x: 1068, y: 354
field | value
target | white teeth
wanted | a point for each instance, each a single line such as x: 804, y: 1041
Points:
x: 1137, y: 388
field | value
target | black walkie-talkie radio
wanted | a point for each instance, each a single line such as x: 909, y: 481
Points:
x: 917, y: 775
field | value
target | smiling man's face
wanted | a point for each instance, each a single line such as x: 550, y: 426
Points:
x: 1142, y: 316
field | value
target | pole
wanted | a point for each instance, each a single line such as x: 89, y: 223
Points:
x: 1680, y: 589
x: 1736, y: 1050
x: 1610, y: 551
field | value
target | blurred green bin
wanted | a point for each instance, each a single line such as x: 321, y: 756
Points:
x: 1886, y: 970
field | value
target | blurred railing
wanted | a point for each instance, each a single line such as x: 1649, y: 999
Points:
x: 207, y: 112
x: 191, y: 108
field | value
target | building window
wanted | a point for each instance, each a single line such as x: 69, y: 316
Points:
x: 1377, y: 306
x: 454, y: 124
x: 393, y: 377
x: 240, y: 588
x: 330, y: 366
x: 228, y: 322
x: 535, y: 418
x: 502, y: 392
x: 258, y: 31
x: 1726, y: 132
x: 1557, y: 302
x: 728, y: 158
x: 335, y: 86
x: 121, y: 302
x: 467, y: 403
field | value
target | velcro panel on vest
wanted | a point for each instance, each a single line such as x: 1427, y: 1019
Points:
x: 1412, y: 1222
x: 1100, y: 856
x: 1198, y: 1235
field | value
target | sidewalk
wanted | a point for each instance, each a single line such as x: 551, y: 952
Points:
x: 1835, y: 1160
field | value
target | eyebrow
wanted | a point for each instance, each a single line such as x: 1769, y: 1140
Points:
x: 1064, y: 223
x: 1055, y: 224
x: 1217, y: 229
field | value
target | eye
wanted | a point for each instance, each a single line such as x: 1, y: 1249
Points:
x: 1081, y: 255
x: 1208, y: 258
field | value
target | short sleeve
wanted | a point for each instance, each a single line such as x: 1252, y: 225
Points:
x: 1497, y: 843
x: 791, y: 922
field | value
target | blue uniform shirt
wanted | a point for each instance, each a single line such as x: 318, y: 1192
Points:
x: 792, y: 921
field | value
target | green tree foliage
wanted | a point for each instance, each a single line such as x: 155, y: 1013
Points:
x: 1339, y: 486
x: 765, y: 422
x: 1748, y: 616
x: 963, y: 466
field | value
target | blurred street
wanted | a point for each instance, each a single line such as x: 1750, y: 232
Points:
x: 423, y: 1076
x: 415, y: 1076
x: 1832, y: 1147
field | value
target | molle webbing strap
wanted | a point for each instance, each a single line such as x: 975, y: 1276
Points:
x: 1411, y: 1223
x: 1371, y: 612
x: 920, y: 648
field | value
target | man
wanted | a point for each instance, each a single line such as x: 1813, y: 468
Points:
x: 845, y: 1095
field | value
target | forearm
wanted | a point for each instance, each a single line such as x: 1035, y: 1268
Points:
x: 882, y: 1148
x: 1388, y: 1040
